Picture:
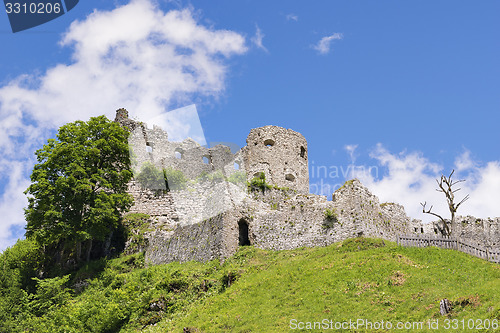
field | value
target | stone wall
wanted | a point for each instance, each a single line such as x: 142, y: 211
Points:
x: 483, y: 232
x: 199, y: 241
x: 281, y: 154
x: 286, y: 219
x: 355, y: 204
x: 152, y: 145
x: 210, y: 216
x: 282, y: 220
x: 152, y: 202
x: 201, y: 199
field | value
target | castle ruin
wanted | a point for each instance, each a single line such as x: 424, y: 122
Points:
x: 214, y: 212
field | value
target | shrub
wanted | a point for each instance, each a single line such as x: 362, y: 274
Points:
x: 330, y: 218
x: 175, y: 179
x: 330, y: 214
x: 215, y: 176
x: 50, y: 293
x: 259, y: 183
x: 136, y: 225
x: 151, y: 177
x: 154, y: 178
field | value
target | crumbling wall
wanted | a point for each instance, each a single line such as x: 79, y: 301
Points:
x: 198, y: 241
x: 199, y: 200
x: 152, y: 145
x: 481, y: 231
x: 151, y: 202
x: 203, y: 220
x: 281, y: 154
x: 285, y: 219
x: 355, y: 204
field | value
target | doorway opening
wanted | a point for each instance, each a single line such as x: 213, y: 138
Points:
x: 243, y: 228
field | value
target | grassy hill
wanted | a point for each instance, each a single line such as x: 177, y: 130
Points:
x: 258, y: 291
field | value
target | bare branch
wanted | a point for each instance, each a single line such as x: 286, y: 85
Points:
x: 429, y: 211
x: 457, y: 181
x: 461, y: 202
x: 445, y: 185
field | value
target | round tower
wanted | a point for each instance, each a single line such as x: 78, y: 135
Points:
x: 281, y: 154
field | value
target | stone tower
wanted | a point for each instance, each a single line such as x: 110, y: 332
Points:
x: 281, y: 154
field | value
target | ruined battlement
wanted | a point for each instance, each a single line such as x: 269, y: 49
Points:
x: 153, y: 145
x: 278, y: 152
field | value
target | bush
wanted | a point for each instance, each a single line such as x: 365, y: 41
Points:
x: 50, y: 293
x: 154, y: 178
x: 175, y: 179
x: 330, y: 218
x: 259, y: 183
x: 330, y: 214
x: 151, y: 177
x: 136, y: 225
x: 18, y: 265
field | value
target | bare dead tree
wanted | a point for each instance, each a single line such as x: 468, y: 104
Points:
x: 446, y: 230
x: 446, y: 186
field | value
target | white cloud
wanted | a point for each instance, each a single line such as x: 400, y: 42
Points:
x: 161, y: 60
x: 464, y: 162
x: 292, y: 17
x: 483, y: 185
x: 13, y: 200
x: 351, y: 149
x: 411, y: 179
x: 323, y: 46
x: 257, y: 39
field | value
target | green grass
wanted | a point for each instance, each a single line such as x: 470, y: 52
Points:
x: 342, y: 283
x: 262, y: 291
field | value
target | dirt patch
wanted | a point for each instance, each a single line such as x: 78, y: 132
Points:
x: 397, y: 278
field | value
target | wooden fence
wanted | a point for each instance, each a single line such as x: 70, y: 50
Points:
x: 489, y: 254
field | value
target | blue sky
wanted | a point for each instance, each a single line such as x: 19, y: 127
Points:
x: 409, y: 88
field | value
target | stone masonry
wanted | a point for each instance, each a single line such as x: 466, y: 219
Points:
x: 215, y: 213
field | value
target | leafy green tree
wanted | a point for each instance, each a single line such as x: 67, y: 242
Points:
x: 78, y: 189
x: 18, y: 267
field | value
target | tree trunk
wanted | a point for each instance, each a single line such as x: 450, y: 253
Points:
x: 89, y: 249
x: 78, y: 251
x: 108, y: 244
x: 59, y: 252
x: 444, y: 307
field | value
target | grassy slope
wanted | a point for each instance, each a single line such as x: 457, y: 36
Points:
x: 342, y: 283
x: 261, y: 291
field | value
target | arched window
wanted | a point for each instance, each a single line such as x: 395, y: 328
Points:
x: 236, y: 165
x: 290, y: 177
x: 269, y: 143
x: 207, y: 159
x: 179, y: 153
x: 149, y: 148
